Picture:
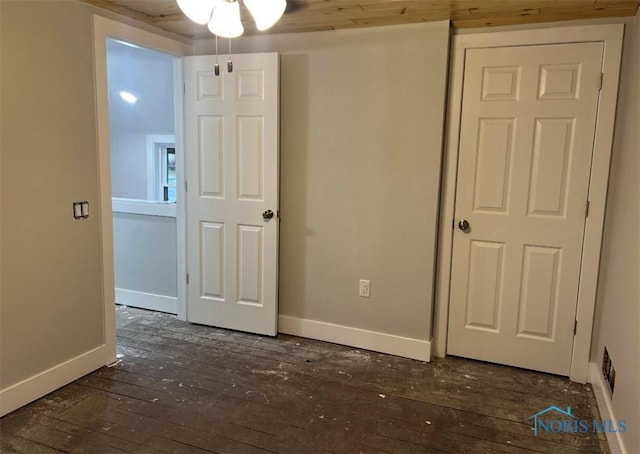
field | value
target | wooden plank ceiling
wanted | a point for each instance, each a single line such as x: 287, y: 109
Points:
x: 317, y: 15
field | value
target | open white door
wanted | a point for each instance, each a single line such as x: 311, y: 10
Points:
x: 526, y: 142
x: 231, y: 150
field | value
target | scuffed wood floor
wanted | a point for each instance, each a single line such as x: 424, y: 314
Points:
x: 181, y: 388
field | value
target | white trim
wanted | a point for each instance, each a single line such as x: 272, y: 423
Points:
x: 611, y: 35
x: 102, y: 29
x: 181, y: 197
x: 153, y: 140
x: 26, y: 391
x: 598, y: 185
x: 145, y: 300
x: 146, y: 207
x: 356, y: 337
x: 603, y: 398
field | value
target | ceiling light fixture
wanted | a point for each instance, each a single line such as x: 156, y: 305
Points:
x: 266, y: 13
x: 223, y: 16
x: 198, y: 11
x: 128, y: 97
x: 225, y: 20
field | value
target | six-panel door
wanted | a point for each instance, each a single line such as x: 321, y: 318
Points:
x: 527, y: 132
x: 231, y: 140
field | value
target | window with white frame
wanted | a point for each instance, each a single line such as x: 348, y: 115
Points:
x: 161, y: 168
x: 167, y: 173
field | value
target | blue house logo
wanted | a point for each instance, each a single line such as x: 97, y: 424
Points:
x: 547, y: 425
x: 554, y: 419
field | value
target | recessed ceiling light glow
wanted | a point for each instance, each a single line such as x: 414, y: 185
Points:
x: 128, y: 97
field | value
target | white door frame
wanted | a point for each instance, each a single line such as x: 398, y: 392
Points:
x: 102, y: 29
x: 611, y: 36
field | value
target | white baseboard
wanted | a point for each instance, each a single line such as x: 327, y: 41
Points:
x: 149, y: 301
x: 26, y: 391
x: 355, y: 337
x: 603, y: 398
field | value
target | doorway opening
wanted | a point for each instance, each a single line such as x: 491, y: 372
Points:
x: 105, y: 30
x: 142, y: 125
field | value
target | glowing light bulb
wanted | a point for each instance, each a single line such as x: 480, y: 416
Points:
x: 198, y: 11
x: 266, y: 12
x: 128, y: 97
x: 225, y: 21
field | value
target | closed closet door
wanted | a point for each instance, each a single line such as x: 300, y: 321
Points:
x: 526, y: 141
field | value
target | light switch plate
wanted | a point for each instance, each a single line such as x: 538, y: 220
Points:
x: 77, y: 210
x: 365, y: 288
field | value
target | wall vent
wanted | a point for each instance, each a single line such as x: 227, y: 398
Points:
x: 608, y: 371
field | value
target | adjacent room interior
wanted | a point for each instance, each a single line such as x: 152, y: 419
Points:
x: 143, y: 175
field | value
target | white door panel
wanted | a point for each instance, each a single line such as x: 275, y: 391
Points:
x: 231, y: 131
x: 527, y: 131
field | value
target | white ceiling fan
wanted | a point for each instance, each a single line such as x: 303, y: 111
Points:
x: 223, y: 16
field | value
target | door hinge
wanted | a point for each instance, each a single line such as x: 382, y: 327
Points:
x: 184, y: 88
x: 187, y: 279
x: 586, y: 210
x: 186, y: 186
x: 575, y: 327
x: 600, y: 81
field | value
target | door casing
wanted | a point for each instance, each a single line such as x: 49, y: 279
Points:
x: 611, y: 36
x: 104, y: 28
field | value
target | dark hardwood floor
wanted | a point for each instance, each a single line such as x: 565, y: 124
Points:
x: 181, y: 388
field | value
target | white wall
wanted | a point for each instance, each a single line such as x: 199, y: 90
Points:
x: 361, y: 144
x: 148, y: 75
x: 617, y: 324
x: 144, y: 249
x: 128, y: 165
